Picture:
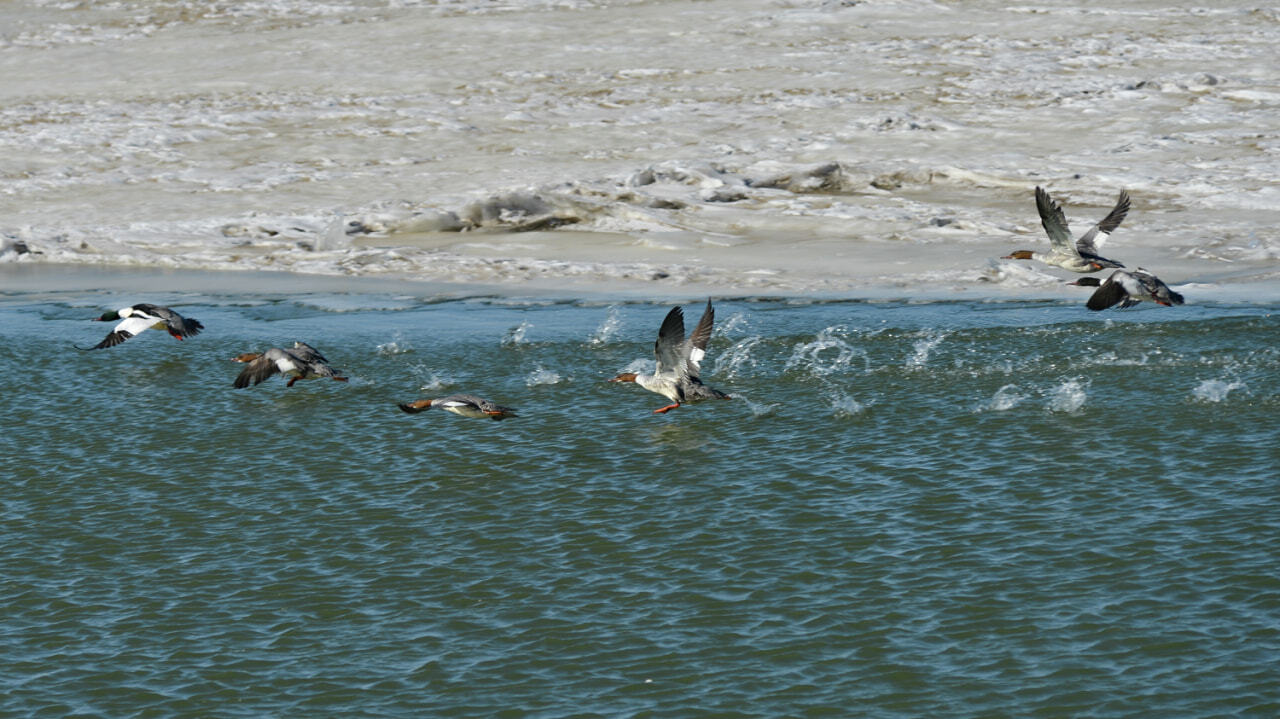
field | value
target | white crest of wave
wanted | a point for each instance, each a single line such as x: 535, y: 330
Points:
x: 607, y: 329
x: 828, y: 353
x: 1069, y: 396
x: 737, y: 358
x: 542, y: 376
x: 1215, y: 390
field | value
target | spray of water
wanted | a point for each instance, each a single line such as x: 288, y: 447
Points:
x: 830, y: 352
x: 738, y: 359
x: 541, y: 376
x: 1005, y: 398
x: 1216, y: 390
x: 516, y: 335
x: 397, y: 346
x: 607, y: 329
x: 1069, y: 396
x: 923, y: 347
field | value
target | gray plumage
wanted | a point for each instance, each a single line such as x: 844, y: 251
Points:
x: 302, y: 361
x: 1092, y: 241
x: 464, y: 405
x: 679, y: 370
x: 1080, y: 255
x: 1129, y: 288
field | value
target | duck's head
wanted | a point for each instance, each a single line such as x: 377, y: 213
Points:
x: 416, y: 406
x: 111, y: 316
x: 1087, y: 282
x: 625, y: 377
x: 1018, y: 255
x: 246, y: 357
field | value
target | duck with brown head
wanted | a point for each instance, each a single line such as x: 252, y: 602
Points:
x: 302, y: 361
x: 678, y: 375
x: 1081, y: 255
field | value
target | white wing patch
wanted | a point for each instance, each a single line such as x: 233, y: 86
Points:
x: 134, y: 325
x: 695, y: 358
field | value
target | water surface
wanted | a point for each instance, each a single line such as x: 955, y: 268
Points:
x: 966, y: 508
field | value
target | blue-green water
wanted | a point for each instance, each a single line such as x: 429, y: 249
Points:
x: 961, y: 509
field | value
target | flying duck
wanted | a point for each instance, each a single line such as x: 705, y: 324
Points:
x: 1082, y: 255
x: 677, y: 376
x: 1128, y: 289
x: 465, y: 405
x: 302, y: 361
x: 143, y: 317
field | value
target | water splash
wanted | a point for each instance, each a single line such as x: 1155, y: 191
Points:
x: 737, y: 358
x: 923, y: 347
x: 844, y: 405
x: 607, y: 329
x: 828, y: 353
x: 397, y: 346
x: 1069, y: 396
x: 1005, y: 398
x: 735, y: 322
x: 516, y: 335
x: 641, y: 366
x: 758, y: 409
x: 1216, y: 390
x: 430, y: 380
x: 542, y: 376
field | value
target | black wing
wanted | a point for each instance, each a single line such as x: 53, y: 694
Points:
x: 670, y: 338
x: 1108, y: 294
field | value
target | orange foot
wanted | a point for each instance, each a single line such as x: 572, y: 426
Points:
x: 668, y: 408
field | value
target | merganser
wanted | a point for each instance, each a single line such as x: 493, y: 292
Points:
x: 1081, y: 256
x: 1090, y: 242
x: 676, y: 377
x: 142, y: 317
x: 465, y: 405
x: 302, y: 361
x: 1128, y: 289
